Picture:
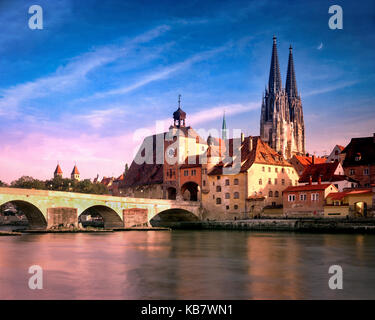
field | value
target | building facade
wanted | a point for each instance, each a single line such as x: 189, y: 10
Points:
x: 359, y: 160
x: 307, y: 200
x: 281, y: 123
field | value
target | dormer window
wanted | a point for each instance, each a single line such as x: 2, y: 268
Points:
x: 358, y: 157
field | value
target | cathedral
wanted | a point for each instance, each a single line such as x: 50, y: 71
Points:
x: 281, y: 122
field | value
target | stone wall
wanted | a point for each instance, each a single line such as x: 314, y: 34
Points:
x: 62, y: 217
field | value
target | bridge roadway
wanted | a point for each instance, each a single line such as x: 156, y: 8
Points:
x: 47, y: 209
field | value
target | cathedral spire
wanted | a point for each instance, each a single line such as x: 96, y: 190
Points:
x: 274, y: 82
x: 224, y: 128
x: 291, y: 83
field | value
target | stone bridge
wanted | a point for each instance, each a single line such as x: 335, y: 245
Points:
x: 46, y: 209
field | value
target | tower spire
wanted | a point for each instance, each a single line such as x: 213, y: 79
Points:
x: 291, y: 83
x: 224, y: 128
x: 274, y: 82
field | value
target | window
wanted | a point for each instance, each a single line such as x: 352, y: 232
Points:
x: 351, y: 172
x: 291, y: 197
x: 269, y: 181
x: 275, y: 181
x: 314, y: 196
x: 213, y: 196
x: 218, y: 200
x: 336, y: 152
x: 218, y: 177
x: 336, y: 185
x: 227, y: 182
x: 270, y: 194
x: 263, y: 169
x: 276, y: 169
x: 227, y: 195
x: 204, y: 183
x: 302, y: 197
x: 283, y: 182
x: 186, y: 173
x: 282, y: 170
x: 337, y: 203
x: 269, y: 169
x: 213, y: 183
x: 273, y: 204
x: 236, y: 195
x: 197, y: 139
x: 218, y: 189
x: 227, y: 207
x: 260, y: 181
x: 358, y: 157
x: 276, y: 194
x: 194, y: 172
x: 365, y: 172
x: 235, y: 181
x: 296, y: 182
x: 235, y: 207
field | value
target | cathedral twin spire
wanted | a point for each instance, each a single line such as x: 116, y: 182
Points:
x: 274, y: 82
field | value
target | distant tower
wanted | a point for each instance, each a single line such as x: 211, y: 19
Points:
x: 58, y: 172
x: 224, y: 128
x: 281, y: 122
x: 75, y: 174
x: 179, y: 115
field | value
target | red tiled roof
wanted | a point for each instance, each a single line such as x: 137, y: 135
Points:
x: 260, y: 153
x: 309, y: 187
x: 58, y: 170
x: 325, y: 170
x: 75, y: 170
x: 363, y: 146
x: 341, y: 147
x: 306, y: 161
x: 341, y: 195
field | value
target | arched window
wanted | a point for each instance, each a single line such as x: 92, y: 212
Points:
x: 236, y: 195
x: 235, y: 181
x: 218, y: 200
x: 227, y: 195
x: 276, y: 194
x: 270, y: 194
x: 260, y: 181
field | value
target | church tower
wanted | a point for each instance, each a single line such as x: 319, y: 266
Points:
x: 281, y: 122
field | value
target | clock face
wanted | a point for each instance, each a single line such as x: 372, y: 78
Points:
x: 170, y: 152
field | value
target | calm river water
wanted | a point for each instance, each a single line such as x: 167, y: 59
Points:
x: 188, y: 265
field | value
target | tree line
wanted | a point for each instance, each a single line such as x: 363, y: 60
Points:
x: 58, y: 184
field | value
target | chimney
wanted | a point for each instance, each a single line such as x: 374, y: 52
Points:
x: 310, y: 180
x: 250, y: 143
x: 313, y: 160
x: 242, y: 137
x: 320, y: 179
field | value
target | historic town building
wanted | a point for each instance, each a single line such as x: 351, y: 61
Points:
x: 281, y: 122
x: 359, y: 160
x: 258, y: 182
x: 300, y: 163
x: 75, y: 174
x: 58, y: 172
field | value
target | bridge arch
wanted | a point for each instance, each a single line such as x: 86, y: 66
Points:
x: 111, y: 218
x: 190, y: 191
x: 33, y: 214
x: 173, y: 218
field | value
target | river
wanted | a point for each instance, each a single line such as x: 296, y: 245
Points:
x: 187, y: 265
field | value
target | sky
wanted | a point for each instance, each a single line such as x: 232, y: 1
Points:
x: 92, y: 83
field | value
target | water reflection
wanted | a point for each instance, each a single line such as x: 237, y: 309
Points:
x: 187, y: 265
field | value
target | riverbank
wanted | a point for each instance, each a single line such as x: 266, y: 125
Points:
x: 294, y: 225
x: 9, y: 233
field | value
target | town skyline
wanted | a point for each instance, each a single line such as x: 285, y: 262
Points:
x: 80, y: 101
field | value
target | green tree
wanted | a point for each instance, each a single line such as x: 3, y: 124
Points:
x: 126, y: 169
x: 3, y: 184
x: 27, y: 182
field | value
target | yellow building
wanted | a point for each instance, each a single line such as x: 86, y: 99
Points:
x: 353, y: 203
x: 247, y: 183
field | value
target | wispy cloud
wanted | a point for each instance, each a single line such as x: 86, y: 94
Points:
x: 331, y: 88
x: 98, y: 118
x: 68, y: 76
x: 160, y: 74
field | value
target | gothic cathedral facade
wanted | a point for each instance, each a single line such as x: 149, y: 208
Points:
x: 281, y: 123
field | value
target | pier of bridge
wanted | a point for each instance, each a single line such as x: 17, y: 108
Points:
x: 48, y: 209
